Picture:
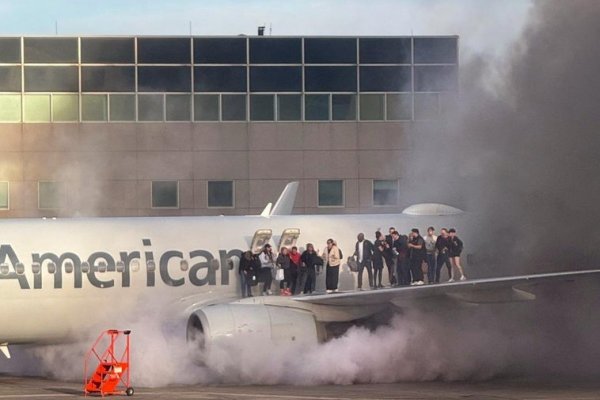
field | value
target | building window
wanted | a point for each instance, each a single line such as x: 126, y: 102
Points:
x: 316, y: 107
x: 343, y: 107
x: 262, y: 107
x: 289, y: 107
x: 150, y: 107
x: 206, y: 107
x: 220, y: 194
x: 179, y: 107
x: 233, y: 107
x: 122, y: 107
x: 165, y: 194
x: 4, y: 196
x: 94, y: 107
x: 399, y: 107
x: 331, y: 193
x: 371, y: 107
x: 65, y: 107
x: 10, y: 108
x: 385, y: 192
x: 48, y: 195
x: 37, y: 108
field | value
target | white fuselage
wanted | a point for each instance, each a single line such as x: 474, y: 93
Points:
x: 55, y: 306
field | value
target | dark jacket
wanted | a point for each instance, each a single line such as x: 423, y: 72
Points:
x: 283, y: 261
x: 367, y: 250
x: 401, y: 246
x: 249, y: 266
x: 418, y: 254
x: 442, y: 244
x: 456, y: 246
x: 310, y: 260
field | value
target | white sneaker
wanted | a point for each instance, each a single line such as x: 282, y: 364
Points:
x: 335, y: 291
x: 269, y: 292
x: 413, y: 283
x: 419, y: 283
x: 450, y: 280
x: 463, y: 278
x: 328, y: 291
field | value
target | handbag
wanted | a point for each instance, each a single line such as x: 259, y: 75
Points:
x: 279, y: 275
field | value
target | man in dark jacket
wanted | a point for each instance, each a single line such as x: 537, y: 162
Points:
x: 401, y: 252
x: 309, y: 262
x: 363, y: 252
x: 417, y: 255
x: 389, y: 257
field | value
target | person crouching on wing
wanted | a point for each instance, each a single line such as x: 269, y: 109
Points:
x: 267, y: 265
x: 283, y: 262
x: 333, y: 256
x: 456, y: 248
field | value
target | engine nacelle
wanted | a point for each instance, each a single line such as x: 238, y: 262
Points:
x: 221, y: 321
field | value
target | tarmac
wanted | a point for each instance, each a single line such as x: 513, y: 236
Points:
x: 12, y: 387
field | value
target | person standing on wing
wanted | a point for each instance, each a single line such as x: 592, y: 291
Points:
x: 456, y: 248
x: 332, y: 256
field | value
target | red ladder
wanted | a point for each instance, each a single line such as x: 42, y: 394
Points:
x: 112, y: 373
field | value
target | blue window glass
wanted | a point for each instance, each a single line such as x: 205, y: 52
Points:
x: 51, y: 79
x: 330, y: 79
x: 275, y: 50
x: 316, y: 107
x: 436, y: 78
x: 275, y: 79
x: 233, y: 107
x: 343, y: 107
x: 10, y: 79
x: 385, y: 50
x: 107, y: 79
x: 220, y: 79
x: 164, y: 79
x: 108, y: 50
x: 330, y: 51
x: 10, y: 50
x: 385, y: 79
x: 50, y: 50
x: 164, y: 50
x: 220, y: 50
x: 436, y: 50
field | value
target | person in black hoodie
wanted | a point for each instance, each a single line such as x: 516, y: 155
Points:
x: 390, y: 258
x: 247, y: 271
x: 309, y: 261
x: 402, y: 264
x: 456, y: 248
x: 417, y: 255
x: 378, y: 249
x: 363, y: 252
x: 442, y: 245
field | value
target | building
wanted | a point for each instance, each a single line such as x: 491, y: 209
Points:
x: 128, y: 126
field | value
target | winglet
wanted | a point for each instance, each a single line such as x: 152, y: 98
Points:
x: 4, y: 349
x: 267, y: 211
x: 285, y: 203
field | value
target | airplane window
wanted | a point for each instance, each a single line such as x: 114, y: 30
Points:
x: 68, y: 267
x: 101, y: 267
x: 51, y: 267
x: 183, y: 264
x: 151, y: 265
x: 20, y: 268
x: 3, y: 269
x: 135, y: 265
x: 120, y: 266
x: 36, y: 268
x: 85, y: 267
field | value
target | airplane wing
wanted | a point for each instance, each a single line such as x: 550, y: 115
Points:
x: 476, y: 291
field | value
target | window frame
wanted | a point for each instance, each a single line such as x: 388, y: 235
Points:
x: 153, y: 207
x: 232, y: 193
x: 397, y: 182
x: 343, y: 203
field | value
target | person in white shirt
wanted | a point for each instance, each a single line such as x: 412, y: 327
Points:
x: 430, y: 240
x: 267, y: 265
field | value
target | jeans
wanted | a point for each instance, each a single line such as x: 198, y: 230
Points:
x: 442, y: 259
x: 301, y: 280
x: 361, y: 266
x: 431, y: 267
x: 245, y: 283
x: 415, y: 269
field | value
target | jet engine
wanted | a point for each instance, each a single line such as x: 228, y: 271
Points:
x: 279, y: 324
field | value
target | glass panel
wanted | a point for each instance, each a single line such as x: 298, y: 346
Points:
x: 330, y: 51
x: 343, y: 107
x: 50, y: 50
x: 94, y: 107
x: 107, y: 79
x: 436, y: 78
x: 385, y: 193
x: 385, y: 79
x: 10, y: 108
x: 275, y: 50
x: 179, y: 107
x: 10, y: 79
x: 65, y: 107
x: 436, y: 50
x: 385, y: 50
x: 289, y: 107
x: 37, y: 108
x: 164, y: 50
x: 4, y: 195
x: 10, y: 50
x: 233, y: 107
x: 165, y: 194
x: 331, y: 193
x: 262, y: 107
x: 164, y: 79
x: 220, y: 194
x: 206, y: 107
x: 150, y: 107
x: 51, y: 79
x: 426, y: 106
x: 122, y: 107
x: 49, y: 195
x: 399, y: 107
x: 220, y: 79
x: 220, y: 50
x: 330, y: 79
x: 316, y: 107
x: 107, y: 50
x: 371, y: 107
x: 275, y: 79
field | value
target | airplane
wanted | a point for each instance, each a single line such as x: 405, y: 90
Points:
x: 62, y: 277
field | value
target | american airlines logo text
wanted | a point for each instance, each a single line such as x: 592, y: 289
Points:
x: 199, y: 267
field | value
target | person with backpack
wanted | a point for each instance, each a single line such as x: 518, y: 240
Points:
x: 332, y: 256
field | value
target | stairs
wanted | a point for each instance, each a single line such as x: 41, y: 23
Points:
x: 107, y: 377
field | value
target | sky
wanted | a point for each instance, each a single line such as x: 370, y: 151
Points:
x: 484, y: 26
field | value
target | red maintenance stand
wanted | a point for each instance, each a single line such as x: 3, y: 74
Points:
x: 112, y: 373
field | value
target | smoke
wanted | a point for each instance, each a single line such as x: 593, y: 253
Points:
x: 521, y: 151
